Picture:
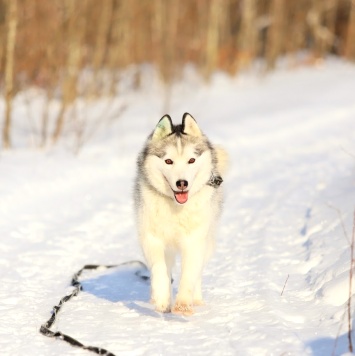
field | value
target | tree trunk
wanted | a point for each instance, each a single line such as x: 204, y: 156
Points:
x: 9, y: 68
x: 212, y: 36
x: 2, y: 33
x: 247, y: 38
x: 119, y: 51
x: 101, y: 44
x: 350, y: 37
x: 330, y: 18
x: 275, y: 37
x: 76, y: 32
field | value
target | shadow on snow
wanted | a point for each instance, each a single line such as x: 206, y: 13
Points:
x: 122, y: 284
x: 330, y: 346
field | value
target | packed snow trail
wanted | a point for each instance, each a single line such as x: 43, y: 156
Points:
x: 277, y: 284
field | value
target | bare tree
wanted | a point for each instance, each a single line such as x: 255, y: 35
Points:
x: 2, y: 32
x: 247, y: 38
x: 330, y: 19
x: 350, y: 36
x: 275, y: 37
x: 9, y: 68
x: 296, y: 27
x: 119, y: 54
x: 75, y: 37
x: 101, y: 44
x: 320, y: 22
x: 213, y: 27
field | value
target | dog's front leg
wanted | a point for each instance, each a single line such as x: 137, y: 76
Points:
x: 193, y: 257
x: 154, y: 251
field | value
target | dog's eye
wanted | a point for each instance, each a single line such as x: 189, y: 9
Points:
x: 192, y: 160
x: 169, y: 161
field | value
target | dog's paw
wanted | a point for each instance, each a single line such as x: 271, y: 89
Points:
x: 198, y: 302
x: 162, y: 308
x: 182, y: 309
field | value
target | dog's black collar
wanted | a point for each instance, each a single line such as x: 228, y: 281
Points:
x: 215, y: 181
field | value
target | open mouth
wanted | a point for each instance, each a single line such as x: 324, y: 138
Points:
x: 181, y: 197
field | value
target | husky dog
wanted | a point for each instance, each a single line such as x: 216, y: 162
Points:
x: 178, y: 200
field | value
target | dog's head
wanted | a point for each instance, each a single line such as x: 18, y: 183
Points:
x: 178, y: 159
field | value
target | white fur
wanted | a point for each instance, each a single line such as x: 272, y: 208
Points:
x: 167, y: 228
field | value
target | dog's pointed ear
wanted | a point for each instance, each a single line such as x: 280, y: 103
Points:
x: 189, y: 126
x: 163, y: 128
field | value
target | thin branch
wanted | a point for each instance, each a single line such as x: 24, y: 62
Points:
x: 282, y: 292
x: 347, y: 152
x: 340, y: 215
x: 338, y: 333
x: 350, y: 285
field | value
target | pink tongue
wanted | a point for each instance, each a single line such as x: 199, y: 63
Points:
x: 181, y: 197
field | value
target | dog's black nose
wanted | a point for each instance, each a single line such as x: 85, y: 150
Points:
x: 182, y: 184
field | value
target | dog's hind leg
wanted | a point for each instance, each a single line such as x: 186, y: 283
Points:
x: 170, y: 261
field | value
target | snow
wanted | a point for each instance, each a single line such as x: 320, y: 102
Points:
x: 278, y: 281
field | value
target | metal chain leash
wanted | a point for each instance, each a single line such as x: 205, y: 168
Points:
x: 46, y: 328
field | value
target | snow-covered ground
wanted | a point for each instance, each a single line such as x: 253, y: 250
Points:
x: 278, y: 282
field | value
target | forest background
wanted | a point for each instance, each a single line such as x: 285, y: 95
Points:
x: 71, y: 49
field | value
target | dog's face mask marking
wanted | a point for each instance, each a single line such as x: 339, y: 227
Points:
x: 179, y: 167
x: 181, y: 157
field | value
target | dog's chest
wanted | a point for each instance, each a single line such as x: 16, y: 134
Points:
x: 170, y: 221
